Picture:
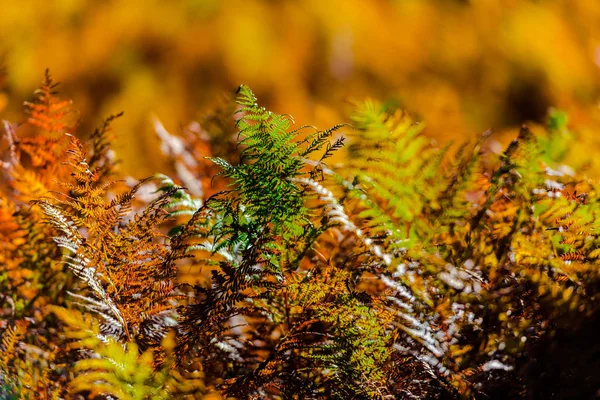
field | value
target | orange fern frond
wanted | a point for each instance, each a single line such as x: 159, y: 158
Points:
x: 49, y: 113
x: 573, y: 256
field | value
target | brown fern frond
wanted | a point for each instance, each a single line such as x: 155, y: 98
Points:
x: 123, y: 259
x: 101, y: 158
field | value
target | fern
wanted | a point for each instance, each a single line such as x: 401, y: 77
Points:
x: 265, y: 230
x: 400, y: 271
x: 121, y: 371
x: 115, y: 258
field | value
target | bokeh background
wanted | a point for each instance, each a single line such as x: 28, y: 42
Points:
x: 460, y: 66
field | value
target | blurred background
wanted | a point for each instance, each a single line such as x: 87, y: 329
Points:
x: 460, y: 66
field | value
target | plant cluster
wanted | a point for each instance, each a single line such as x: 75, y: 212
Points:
x: 398, y: 270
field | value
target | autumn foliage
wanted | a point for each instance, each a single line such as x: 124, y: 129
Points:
x: 359, y: 261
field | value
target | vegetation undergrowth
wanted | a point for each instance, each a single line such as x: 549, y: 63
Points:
x: 399, y: 270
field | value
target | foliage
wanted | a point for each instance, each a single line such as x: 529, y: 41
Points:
x: 122, y: 372
x: 400, y: 271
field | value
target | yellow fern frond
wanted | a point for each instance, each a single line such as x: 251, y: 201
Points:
x: 10, y: 339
